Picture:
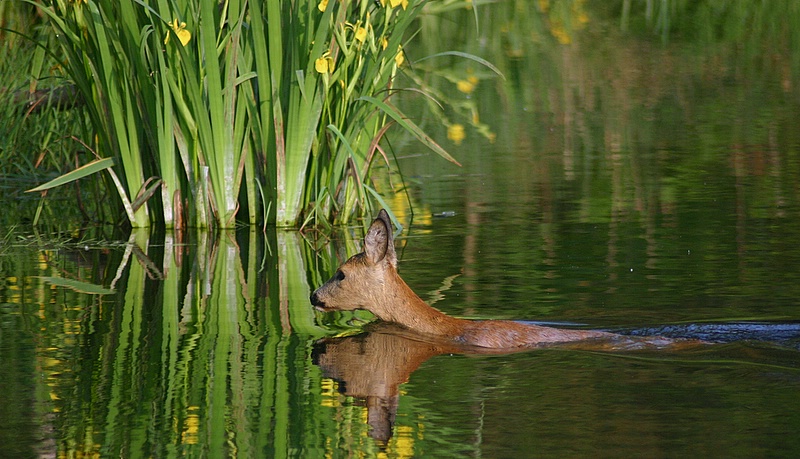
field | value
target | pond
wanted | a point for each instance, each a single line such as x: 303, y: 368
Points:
x: 608, y: 181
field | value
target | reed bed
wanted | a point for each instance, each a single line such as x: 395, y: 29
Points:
x: 201, y: 109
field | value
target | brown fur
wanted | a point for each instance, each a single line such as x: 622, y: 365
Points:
x: 369, y: 280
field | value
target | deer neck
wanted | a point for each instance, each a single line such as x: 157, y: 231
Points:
x: 404, y: 307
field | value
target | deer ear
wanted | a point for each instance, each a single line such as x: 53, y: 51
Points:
x: 379, y: 243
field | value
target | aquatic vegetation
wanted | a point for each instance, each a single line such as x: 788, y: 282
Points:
x: 277, y: 108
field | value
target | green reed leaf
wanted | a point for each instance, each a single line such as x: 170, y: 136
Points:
x: 411, y: 127
x: 79, y: 173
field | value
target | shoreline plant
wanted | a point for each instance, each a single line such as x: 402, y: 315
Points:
x: 275, y: 107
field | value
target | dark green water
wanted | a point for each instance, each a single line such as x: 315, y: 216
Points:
x: 618, y: 182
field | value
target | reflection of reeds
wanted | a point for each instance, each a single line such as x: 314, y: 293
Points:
x: 214, y: 356
x: 613, y: 100
x: 556, y: 54
x: 621, y: 124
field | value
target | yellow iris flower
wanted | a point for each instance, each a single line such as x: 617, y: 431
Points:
x: 325, y: 63
x: 455, y: 132
x: 395, y: 3
x: 361, y: 34
x: 179, y: 28
x: 468, y: 85
x: 400, y: 57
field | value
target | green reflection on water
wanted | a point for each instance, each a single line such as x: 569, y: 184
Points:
x: 199, y: 352
x: 625, y: 173
x: 202, y: 349
x: 211, y: 349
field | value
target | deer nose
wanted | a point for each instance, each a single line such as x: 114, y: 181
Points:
x: 316, y: 301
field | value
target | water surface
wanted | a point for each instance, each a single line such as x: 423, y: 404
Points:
x: 612, y: 180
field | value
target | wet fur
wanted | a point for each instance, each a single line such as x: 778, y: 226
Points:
x: 369, y: 280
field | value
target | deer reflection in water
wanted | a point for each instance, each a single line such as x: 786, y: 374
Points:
x: 371, y: 366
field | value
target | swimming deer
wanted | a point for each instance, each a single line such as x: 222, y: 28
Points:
x: 369, y: 280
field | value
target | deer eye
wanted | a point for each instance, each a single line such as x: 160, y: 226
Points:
x: 339, y: 276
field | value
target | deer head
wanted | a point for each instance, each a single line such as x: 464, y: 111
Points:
x: 364, y: 280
